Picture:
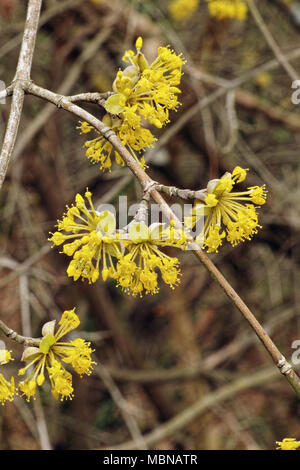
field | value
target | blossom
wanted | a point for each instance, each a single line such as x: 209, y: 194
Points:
x: 141, y: 91
x: 151, y: 88
x: 224, y: 213
x: 91, y: 238
x: 136, y: 271
x: 288, y: 444
x: 50, y: 353
x: 7, y: 389
x: 182, y: 9
x: 130, y: 256
x: 221, y: 9
x: 5, y: 356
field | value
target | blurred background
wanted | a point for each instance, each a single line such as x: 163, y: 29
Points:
x: 161, y: 354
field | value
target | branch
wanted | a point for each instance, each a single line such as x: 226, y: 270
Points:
x: 182, y: 193
x: 148, y: 185
x: 95, y: 97
x: 22, y: 73
x: 6, y: 92
x: 27, y: 341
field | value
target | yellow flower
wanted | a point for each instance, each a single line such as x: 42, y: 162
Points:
x: 94, y: 238
x: 221, y: 9
x: 7, y: 389
x: 182, y: 9
x: 288, y: 444
x: 263, y: 79
x: 49, y: 355
x: 224, y: 213
x: 91, y: 238
x: 5, y: 356
x: 136, y: 270
x: 140, y: 91
x: 100, y: 150
x: 151, y: 88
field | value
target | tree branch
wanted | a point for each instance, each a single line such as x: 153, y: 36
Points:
x: 27, y: 341
x: 148, y: 185
x: 22, y: 73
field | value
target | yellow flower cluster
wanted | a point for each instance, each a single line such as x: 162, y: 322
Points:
x: 288, y: 444
x: 134, y: 257
x: 50, y: 353
x: 91, y: 238
x: 96, y: 240
x: 136, y: 270
x: 141, y: 91
x: 224, y: 213
x: 7, y: 389
x: 180, y: 10
x: 221, y: 9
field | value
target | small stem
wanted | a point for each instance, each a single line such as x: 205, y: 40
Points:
x: 98, y: 98
x: 142, y: 212
x: 6, y: 92
x: 182, y: 193
x: 18, y: 338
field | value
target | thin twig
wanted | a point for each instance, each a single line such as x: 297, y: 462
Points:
x: 123, y: 406
x: 22, y: 73
x: 271, y: 41
x: 26, y: 330
x: 27, y: 341
x: 182, y: 419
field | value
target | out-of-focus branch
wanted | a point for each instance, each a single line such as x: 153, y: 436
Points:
x: 26, y: 330
x: 182, y: 419
x: 89, y: 50
x: 225, y: 85
x: 205, y: 366
x: 271, y: 41
x: 131, y: 423
x: 90, y: 97
x: 19, y: 269
x: 57, y: 9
